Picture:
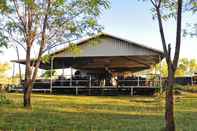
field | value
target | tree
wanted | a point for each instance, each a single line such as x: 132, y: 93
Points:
x: 174, y: 9
x: 46, y: 24
x: 3, y: 39
x: 163, y: 10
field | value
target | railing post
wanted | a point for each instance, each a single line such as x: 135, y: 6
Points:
x: 138, y: 81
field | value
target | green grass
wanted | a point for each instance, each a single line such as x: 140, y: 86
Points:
x: 89, y: 113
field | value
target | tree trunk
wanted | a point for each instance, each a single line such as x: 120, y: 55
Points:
x: 28, y: 82
x: 169, y: 114
x: 27, y: 95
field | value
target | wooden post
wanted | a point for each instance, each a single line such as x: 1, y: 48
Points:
x: 51, y: 79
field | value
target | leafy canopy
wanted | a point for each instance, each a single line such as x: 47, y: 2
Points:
x: 68, y: 20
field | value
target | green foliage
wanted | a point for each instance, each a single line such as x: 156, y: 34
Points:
x: 3, y: 41
x: 4, y: 68
x: 74, y: 49
x: 191, y: 5
x: 67, y: 21
x: 186, y: 67
x: 3, y: 73
x: 168, y: 11
x: 47, y: 74
x: 3, y: 6
x: 186, y: 88
x: 91, y: 22
x: 4, y: 99
x: 46, y: 59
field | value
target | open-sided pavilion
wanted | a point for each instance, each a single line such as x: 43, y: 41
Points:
x: 97, y: 55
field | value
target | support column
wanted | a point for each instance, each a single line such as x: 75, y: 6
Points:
x: 90, y: 82
x: 76, y: 91
x: 138, y: 80
x: 155, y: 76
x: 71, y: 75
x: 51, y: 79
x: 131, y: 93
x: 13, y: 72
x: 160, y: 76
x: 63, y: 73
x: 192, y: 82
x: 90, y: 85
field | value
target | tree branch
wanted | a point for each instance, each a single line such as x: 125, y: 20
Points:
x: 43, y: 42
x: 19, y: 16
x: 178, y: 34
x: 162, y: 32
x: 153, y: 3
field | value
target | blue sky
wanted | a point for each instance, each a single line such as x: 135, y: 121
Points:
x: 132, y: 20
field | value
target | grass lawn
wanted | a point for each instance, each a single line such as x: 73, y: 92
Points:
x: 89, y: 113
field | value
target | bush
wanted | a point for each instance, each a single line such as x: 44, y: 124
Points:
x: 188, y: 88
x: 4, y: 99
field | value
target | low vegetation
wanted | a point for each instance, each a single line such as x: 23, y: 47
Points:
x: 4, y: 99
x: 82, y: 113
x: 186, y: 88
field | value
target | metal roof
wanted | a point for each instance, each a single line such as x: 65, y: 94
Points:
x: 84, y: 41
x: 112, y: 52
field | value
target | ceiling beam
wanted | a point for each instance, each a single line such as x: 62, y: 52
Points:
x: 137, y: 61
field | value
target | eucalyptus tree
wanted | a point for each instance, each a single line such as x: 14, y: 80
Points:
x: 164, y: 10
x: 45, y: 24
x: 3, y: 39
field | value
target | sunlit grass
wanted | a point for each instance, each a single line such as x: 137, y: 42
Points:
x: 92, y: 113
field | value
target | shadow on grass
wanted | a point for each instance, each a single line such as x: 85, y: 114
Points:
x: 84, y: 121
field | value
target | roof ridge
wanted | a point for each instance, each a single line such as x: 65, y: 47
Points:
x: 113, y: 36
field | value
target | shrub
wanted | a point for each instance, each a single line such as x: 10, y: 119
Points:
x: 4, y: 99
